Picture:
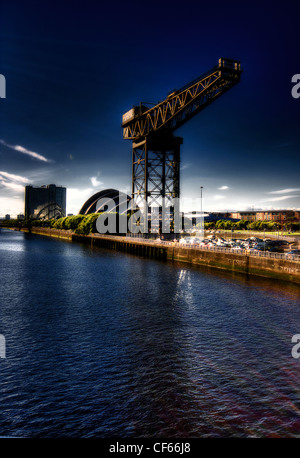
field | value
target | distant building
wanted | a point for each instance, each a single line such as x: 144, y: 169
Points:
x: 194, y: 216
x: 45, y: 202
x: 267, y: 215
x: 21, y: 216
x: 7, y: 217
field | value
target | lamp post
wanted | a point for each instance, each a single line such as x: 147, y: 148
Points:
x: 201, y: 215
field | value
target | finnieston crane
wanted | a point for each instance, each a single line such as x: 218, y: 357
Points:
x: 155, y: 150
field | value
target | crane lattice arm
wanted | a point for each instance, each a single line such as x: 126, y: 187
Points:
x: 181, y: 105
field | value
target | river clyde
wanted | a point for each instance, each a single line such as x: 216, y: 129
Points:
x: 104, y: 344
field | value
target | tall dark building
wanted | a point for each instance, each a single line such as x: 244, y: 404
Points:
x: 45, y: 202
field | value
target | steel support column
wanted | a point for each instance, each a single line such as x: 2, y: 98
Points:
x: 155, y: 171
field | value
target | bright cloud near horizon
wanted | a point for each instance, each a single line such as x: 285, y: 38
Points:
x: 284, y: 191
x: 95, y: 182
x: 223, y: 188
x: 14, y: 177
x: 76, y: 198
x: 13, y: 186
x: 275, y: 199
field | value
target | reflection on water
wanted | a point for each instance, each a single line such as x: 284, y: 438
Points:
x: 16, y: 243
x: 101, y: 344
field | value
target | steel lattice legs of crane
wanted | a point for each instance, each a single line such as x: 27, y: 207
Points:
x: 155, y: 171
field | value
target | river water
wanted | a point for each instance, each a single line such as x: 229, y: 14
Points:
x: 104, y: 344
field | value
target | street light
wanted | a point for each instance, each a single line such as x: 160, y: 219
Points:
x: 201, y: 215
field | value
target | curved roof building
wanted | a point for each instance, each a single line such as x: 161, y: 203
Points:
x: 109, y: 197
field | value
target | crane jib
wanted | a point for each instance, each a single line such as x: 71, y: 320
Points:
x: 180, y: 105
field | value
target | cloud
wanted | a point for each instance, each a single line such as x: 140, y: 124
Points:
x: 223, y: 188
x: 14, y: 186
x: 76, y: 198
x: 11, y: 176
x: 275, y: 199
x: 185, y: 166
x: 285, y: 191
x: 218, y: 197
x: 11, y: 205
x: 282, y: 145
x: 26, y: 151
x: 95, y: 181
x: 12, y: 181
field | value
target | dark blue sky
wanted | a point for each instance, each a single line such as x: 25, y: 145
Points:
x: 73, y: 68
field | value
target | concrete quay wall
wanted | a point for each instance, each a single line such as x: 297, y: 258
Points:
x: 283, y: 269
x: 57, y: 233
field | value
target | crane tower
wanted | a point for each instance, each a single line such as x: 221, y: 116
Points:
x: 155, y: 149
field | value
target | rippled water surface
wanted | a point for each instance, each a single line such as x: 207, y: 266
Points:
x: 103, y: 344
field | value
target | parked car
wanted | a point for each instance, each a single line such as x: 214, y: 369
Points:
x: 196, y: 241
x: 185, y: 241
x: 291, y: 254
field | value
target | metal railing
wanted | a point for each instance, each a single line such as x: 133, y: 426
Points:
x: 247, y: 252
x: 239, y: 251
